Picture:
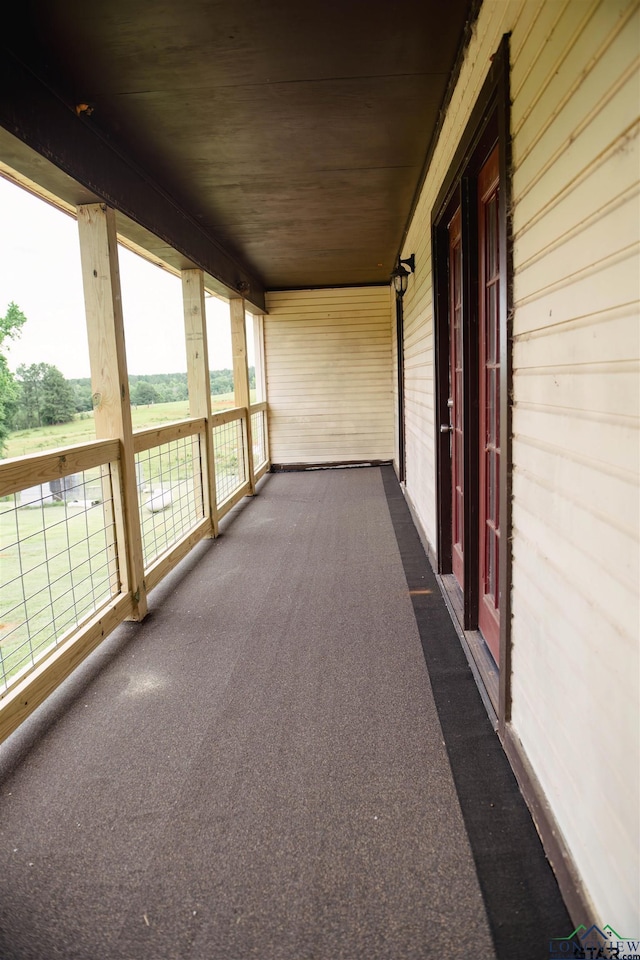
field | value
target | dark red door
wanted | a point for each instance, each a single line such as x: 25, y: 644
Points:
x: 489, y: 403
x: 456, y: 398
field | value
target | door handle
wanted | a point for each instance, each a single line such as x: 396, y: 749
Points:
x: 445, y: 428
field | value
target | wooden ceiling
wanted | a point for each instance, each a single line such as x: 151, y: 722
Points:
x: 291, y: 137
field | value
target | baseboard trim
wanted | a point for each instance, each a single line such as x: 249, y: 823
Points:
x: 329, y: 465
x: 483, y: 682
x: 422, y: 533
x: 576, y: 898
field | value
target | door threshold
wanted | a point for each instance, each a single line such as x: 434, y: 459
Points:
x: 483, y: 666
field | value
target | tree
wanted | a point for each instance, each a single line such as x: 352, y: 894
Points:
x: 58, y: 399
x: 84, y: 399
x: 8, y: 401
x: 46, y: 397
x: 29, y: 380
x: 221, y: 381
x: 10, y: 326
x: 145, y: 393
x: 12, y: 323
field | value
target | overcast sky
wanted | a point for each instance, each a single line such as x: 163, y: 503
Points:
x: 40, y: 271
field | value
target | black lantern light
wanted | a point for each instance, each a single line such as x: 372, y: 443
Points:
x: 400, y: 276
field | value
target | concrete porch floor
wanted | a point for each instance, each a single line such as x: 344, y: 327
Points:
x: 266, y: 766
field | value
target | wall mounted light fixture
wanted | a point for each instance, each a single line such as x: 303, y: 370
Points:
x: 400, y: 276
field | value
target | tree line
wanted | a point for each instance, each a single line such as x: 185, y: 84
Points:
x: 159, y: 387
x: 40, y: 395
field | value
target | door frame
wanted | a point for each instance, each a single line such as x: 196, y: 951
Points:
x: 489, y: 124
x: 400, y: 387
x: 456, y: 398
x: 488, y: 611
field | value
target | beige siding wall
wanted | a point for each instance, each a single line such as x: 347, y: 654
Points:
x: 329, y: 375
x: 575, y: 93
x: 575, y: 354
x: 394, y: 361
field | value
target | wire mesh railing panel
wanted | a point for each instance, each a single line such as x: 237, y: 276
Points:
x: 228, y: 447
x: 169, y: 478
x: 58, y: 564
x: 258, y: 439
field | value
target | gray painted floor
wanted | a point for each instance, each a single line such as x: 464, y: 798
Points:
x: 257, y: 770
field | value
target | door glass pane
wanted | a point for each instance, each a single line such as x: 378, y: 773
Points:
x: 492, y: 237
x: 455, y: 411
x: 491, y: 491
x: 490, y: 559
x: 489, y: 373
x: 491, y: 325
x: 492, y: 390
x: 496, y: 407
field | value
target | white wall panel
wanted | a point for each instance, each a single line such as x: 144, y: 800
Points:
x: 330, y: 375
x: 575, y: 454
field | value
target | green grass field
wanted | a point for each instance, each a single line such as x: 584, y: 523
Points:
x: 56, y: 563
x: 81, y: 429
x: 55, y: 571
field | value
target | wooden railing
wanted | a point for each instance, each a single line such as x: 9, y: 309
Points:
x: 63, y: 539
x: 230, y: 441
x: 259, y: 438
x: 171, y: 501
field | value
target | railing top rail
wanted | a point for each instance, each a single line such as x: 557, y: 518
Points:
x: 258, y: 407
x: 166, y: 432
x: 226, y: 416
x: 20, y: 473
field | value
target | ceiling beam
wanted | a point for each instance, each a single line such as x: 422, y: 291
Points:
x: 54, y: 129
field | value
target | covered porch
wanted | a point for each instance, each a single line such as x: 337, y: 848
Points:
x: 429, y: 217
x: 288, y: 758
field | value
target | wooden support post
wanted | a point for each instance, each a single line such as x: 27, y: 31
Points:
x: 241, y: 378
x: 258, y: 346
x: 261, y: 374
x: 195, y: 328
x: 110, y: 384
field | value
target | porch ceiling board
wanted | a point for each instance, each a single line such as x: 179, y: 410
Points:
x: 293, y: 136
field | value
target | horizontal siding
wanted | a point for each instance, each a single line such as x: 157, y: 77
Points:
x: 394, y: 385
x: 576, y: 393
x: 576, y: 205
x: 329, y: 371
x: 571, y: 134
x: 419, y: 378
